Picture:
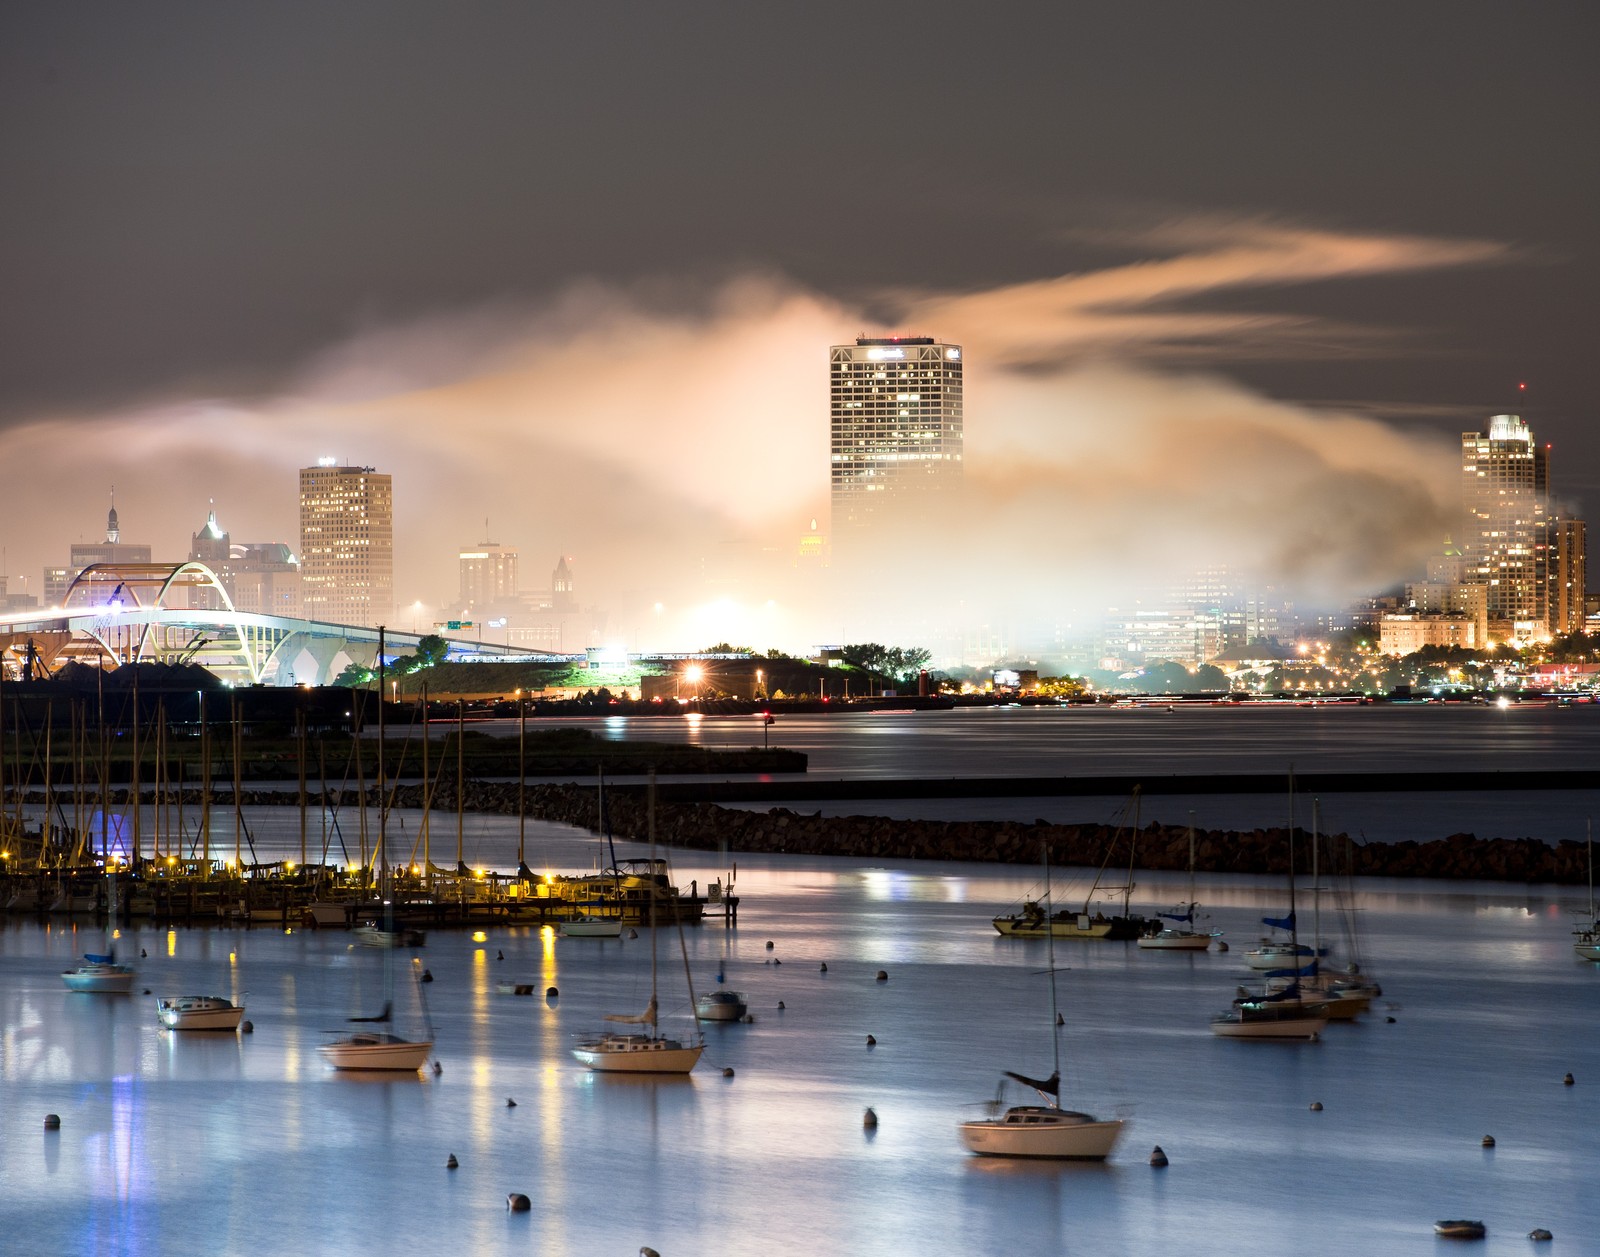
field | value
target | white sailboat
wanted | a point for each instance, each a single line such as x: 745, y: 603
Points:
x: 198, y: 1012
x: 1182, y: 934
x: 380, y: 1049
x: 647, y: 1052
x: 101, y: 974
x: 1281, y: 1014
x: 1042, y: 1130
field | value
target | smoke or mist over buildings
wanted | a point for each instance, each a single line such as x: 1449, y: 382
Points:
x: 673, y: 438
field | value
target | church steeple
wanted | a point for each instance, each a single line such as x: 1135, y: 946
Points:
x: 113, y: 532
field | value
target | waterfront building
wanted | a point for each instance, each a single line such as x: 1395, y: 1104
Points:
x: 1505, y: 496
x: 1403, y: 633
x: 896, y: 428
x: 346, y: 544
x: 488, y: 577
x: 1568, y: 587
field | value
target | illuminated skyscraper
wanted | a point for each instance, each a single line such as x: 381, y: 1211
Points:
x: 896, y: 427
x: 488, y: 576
x: 346, y: 544
x: 1505, y: 495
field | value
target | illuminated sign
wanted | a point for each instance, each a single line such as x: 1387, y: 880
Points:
x: 327, y: 462
x: 952, y: 353
x: 878, y: 352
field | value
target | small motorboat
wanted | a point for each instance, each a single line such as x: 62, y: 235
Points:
x: 99, y: 975
x: 720, y: 1005
x: 373, y: 935
x: 198, y: 1012
x: 1459, y: 1229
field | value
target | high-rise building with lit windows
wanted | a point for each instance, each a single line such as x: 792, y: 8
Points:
x: 1505, y: 495
x: 346, y: 544
x: 488, y: 576
x: 896, y: 427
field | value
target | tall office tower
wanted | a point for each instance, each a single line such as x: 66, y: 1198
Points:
x: 488, y: 576
x: 212, y: 547
x: 1505, y: 495
x: 1568, y: 561
x: 346, y: 544
x: 896, y: 429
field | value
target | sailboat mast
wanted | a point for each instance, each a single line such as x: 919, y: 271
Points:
x: 1588, y: 826
x: 1316, y: 880
x: 383, y: 845
x: 1050, y: 963
x: 1190, y: 909
x: 522, y: 781
x: 652, y: 829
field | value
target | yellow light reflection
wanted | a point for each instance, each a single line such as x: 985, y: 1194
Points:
x: 478, y: 936
x: 172, y: 942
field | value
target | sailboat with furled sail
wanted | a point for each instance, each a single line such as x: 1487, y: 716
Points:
x: 649, y: 1051
x: 1042, y: 1130
x: 380, y: 1049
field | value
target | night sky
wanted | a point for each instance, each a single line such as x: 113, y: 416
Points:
x: 1382, y: 210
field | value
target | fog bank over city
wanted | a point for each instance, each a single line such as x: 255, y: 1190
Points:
x: 673, y: 439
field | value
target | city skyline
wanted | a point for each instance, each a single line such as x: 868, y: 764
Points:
x: 1223, y: 323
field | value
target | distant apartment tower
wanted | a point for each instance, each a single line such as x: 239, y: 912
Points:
x: 346, y: 544
x: 1568, y: 564
x: 896, y: 430
x: 1505, y: 496
x: 488, y: 576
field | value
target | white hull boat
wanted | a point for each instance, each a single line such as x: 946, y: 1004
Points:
x: 1289, y: 1020
x: 1175, y: 940
x: 592, y: 927
x: 99, y: 975
x: 379, y: 1051
x: 371, y: 935
x: 199, y: 1012
x: 638, y: 1054
x: 322, y: 915
x: 721, y: 1005
x: 1587, y: 942
x: 1280, y: 956
x: 1037, y: 1130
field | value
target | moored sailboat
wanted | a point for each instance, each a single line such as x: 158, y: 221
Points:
x: 1045, y: 1131
x: 198, y: 1012
x: 1586, y: 938
x: 1181, y: 935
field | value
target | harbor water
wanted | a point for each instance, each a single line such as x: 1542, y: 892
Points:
x: 217, y: 1144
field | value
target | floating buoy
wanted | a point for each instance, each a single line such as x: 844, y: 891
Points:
x: 437, y: 1069
x: 869, y: 1119
x: 1316, y: 1106
x: 1539, y: 1233
x: 1460, y: 1229
x: 52, y: 1121
x: 1388, y: 1021
x: 727, y: 1071
x: 824, y: 968
x: 748, y: 1019
x: 1488, y: 1141
x: 633, y: 933
x: 776, y: 961
x: 450, y: 1162
x: 247, y: 1027
x: 143, y: 954
x: 871, y: 1041
x: 516, y: 1202
x: 1060, y: 1020
x: 147, y: 990
x: 510, y: 1103
x: 1157, y: 1157
x: 427, y: 975
x: 769, y: 944
x: 780, y: 1005
x: 499, y: 955
x: 550, y: 992
x: 883, y: 975
x: 1220, y: 945
x: 1567, y: 1081
x: 646, y: 1251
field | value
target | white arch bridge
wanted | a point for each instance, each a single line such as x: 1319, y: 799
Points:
x: 117, y: 613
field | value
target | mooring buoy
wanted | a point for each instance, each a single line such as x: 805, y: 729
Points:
x: 1568, y: 1081
x: 1488, y: 1141
x: 437, y: 1069
x: 727, y: 1071
x: 516, y: 1202
x: 499, y: 955
x: 872, y: 1041
x: 780, y: 1004
x: 450, y: 1162
x: 1539, y: 1233
x: 510, y: 1103
x: 427, y: 975
x: 1316, y: 1106
x: 1157, y: 1157
x: 52, y: 1121
x: 769, y: 944
x: 883, y: 975
x: 824, y: 968
x: 247, y: 1027
x: 550, y: 992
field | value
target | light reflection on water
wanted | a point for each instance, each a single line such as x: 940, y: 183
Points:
x: 275, y: 1151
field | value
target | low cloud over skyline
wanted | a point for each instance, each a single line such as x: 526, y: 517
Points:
x: 673, y: 437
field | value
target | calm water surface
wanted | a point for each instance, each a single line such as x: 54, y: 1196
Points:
x: 178, y: 1144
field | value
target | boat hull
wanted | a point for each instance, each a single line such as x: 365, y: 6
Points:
x: 1302, y: 1027
x: 1042, y: 1134
x: 199, y: 1012
x: 1264, y: 958
x: 1175, y: 940
x: 1062, y: 927
x: 99, y: 979
x: 377, y: 1052
x: 638, y: 1054
x: 720, y: 1006
x: 592, y: 927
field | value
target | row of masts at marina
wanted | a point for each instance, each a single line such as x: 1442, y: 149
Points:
x: 64, y: 826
